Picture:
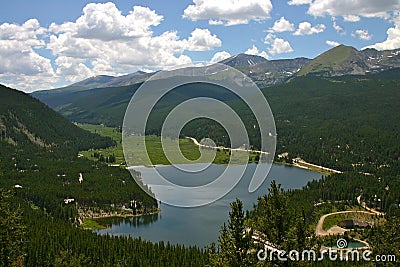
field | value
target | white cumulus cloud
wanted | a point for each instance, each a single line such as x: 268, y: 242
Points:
x: 351, y: 9
x: 282, y: 25
x: 202, y: 40
x: 351, y: 18
x: 305, y: 28
x: 277, y: 45
x: 299, y: 2
x: 105, y: 22
x: 228, y: 12
x: 21, y: 66
x: 332, y: 43
x: 72, y: 69
x: 103, y: 41
x: 219, y: 56
x: 363, y: 35
x: 256, y: 52
x: 392, y: 41
x: 337, y: 28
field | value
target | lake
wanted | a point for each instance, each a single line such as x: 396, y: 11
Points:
x: 200, y: 225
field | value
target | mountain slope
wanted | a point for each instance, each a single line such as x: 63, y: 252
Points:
x: 107, y: 105
x: 346, y: 60
x: 331, y: 121
x: 110, y: 81
x: 241, y: 60
x: 95, y: 81
x: 381, y: 60
x: 337, y: 61
x: 261, y: 71
x: 273, y: 72
x: 39, y: 157
x: 59, y: 96
x: 24, y: 120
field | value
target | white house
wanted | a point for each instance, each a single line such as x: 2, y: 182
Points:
x: 80, y: 179
x: 69, y: 200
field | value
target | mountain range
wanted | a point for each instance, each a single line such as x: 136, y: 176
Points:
x: 103, y: 99
x: 340, y: 60
x: 111, y: 81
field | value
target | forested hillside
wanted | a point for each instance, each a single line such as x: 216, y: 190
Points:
x: 39, y: 157
x: 348, y: 122
x: 108, y: 105
x: 39, y: 170
x: 26, y: 121
x: 286, y: 221
x: 31, y: 237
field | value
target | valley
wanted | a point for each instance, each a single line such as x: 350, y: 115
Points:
x: 200, y: 133
x: 63, y: 164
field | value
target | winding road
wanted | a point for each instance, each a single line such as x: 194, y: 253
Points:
x: 364, y: 205
x: 298, y: 163
x: 303, y: 164
x: 225, y: 148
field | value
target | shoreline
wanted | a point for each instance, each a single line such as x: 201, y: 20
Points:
x: 123, y: 215
x: 322, y: 170
x: 303, y: 164
x: 318, y: 170
x: 298, y: 163
x: 94, y: 225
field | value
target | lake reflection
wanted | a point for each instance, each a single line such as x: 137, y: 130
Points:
x: 139, y: 221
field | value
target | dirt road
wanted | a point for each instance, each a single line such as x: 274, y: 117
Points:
x: 335, y: 230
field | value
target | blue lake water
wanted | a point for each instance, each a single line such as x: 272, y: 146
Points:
x: 200, y: 226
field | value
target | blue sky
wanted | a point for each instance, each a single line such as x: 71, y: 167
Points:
x: 46, y: 44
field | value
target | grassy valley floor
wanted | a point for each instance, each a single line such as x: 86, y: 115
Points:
x: 192, y: 153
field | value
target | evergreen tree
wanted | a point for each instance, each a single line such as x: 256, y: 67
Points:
x: 271, y: 214
x: 385, y: 240
x: 12, y: 232
x: 235, y: 241
x: 278, y: 222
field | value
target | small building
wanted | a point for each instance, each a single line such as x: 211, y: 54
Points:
x: 352, y: 224
x: 283, y: 155
x: 80, y: 178
x: 69, y: 200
